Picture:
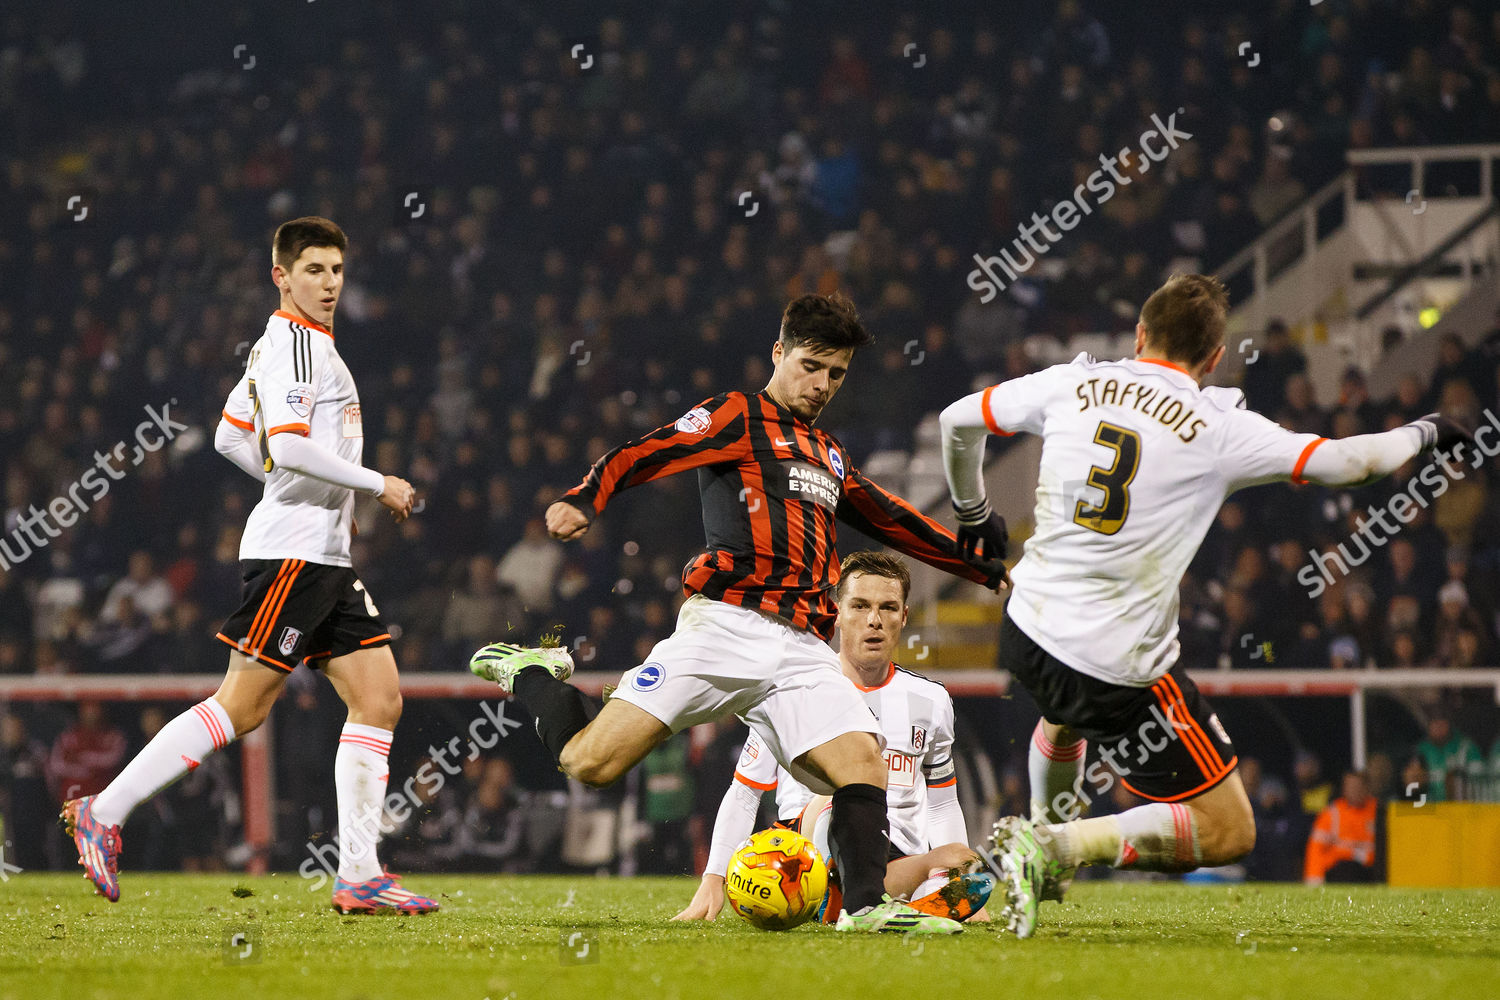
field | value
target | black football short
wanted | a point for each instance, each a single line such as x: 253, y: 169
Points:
x: 1164, y: 741
x: 294, y: 611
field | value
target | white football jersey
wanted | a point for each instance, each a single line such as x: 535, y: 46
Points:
x: 916, y: 718
x: 296, y: 383
x: 1136, y: 461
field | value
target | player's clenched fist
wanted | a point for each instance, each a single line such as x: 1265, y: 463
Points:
x: 566, y: 522
x: 398, y: 496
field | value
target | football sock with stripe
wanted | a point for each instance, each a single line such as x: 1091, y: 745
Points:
x: 560, y: 709
x: 1054, y: 769
x: 859, y: 839
x: 1160, y: 837
x: 176, y: 749
x: 360, y: 771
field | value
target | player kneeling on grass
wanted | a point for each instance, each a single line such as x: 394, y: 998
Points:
x: 293, y: 423
x: 1137, y: 458
x: 931, y: 863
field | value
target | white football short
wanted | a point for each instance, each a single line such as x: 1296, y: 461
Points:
x: 783, y: 682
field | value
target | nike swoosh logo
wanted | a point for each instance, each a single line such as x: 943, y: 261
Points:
x: 780, y: 442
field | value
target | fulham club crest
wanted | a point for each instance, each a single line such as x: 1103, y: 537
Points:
x: 289, y: 639
x: 918, y: 737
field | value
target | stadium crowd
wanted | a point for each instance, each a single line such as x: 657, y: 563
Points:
x: 550, y: 257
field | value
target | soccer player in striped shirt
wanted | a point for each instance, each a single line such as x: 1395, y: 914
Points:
x: 1137, y: 457
x: 293, y: 422
x: 930, y: 861
x: 751, y: 637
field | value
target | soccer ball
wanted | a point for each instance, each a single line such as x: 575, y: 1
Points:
x: 776, y: 880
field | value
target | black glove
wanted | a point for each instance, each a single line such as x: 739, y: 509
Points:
x: 981, y: 534
x: 995, y: 573
x: 1442, y: 433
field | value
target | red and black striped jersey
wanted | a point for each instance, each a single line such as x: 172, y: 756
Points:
x: 772, y: 488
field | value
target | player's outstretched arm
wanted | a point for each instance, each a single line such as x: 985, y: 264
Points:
x: 714, y: 431
x: 235, y: 440
x: 1356, y: 460
x: 965, y: 425
x: 734, y: 823
x: 881, y: 514
x: 964, y: 430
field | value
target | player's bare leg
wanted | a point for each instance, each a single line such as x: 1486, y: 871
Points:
x: 618, y: 738
x: 370, y: 686
x: 248, y: 691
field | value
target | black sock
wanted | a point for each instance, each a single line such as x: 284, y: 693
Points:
x: 561, y: 710
x: 859, y: 837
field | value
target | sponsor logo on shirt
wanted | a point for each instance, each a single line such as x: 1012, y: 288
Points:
x: 353, y: 423
x: 902, y: 769
x: 694, y: 421
x: 837, y: 461
x: 808, y: 482
x: 300, y: 400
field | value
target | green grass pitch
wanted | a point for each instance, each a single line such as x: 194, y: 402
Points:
x: 504, y: 937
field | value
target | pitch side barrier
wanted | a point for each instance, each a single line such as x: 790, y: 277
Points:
x: 258, y: 774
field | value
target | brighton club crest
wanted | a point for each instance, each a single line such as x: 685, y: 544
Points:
x: 289, y: 639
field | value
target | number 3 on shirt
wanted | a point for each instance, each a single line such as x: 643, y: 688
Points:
x: 1108, y: 516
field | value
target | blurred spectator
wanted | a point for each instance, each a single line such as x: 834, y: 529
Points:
x: 531, y: 566
x: 1455, y: 767
x: 490, y: 837
x: 86, y: 755
x: 1266, y: 380
x: 26, y: 808
x: 1310, y: 793
x: 1277, y: 838
x: 147, y: 593
x: 482, y: 611
x: 1342, y: 845
x: 667, y: 805
x: 1456, y: 363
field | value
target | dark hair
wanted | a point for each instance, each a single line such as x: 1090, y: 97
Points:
x: 875, y: 564
x: 1185, y: 317
x: 297, y: 235
x: 826, y: 322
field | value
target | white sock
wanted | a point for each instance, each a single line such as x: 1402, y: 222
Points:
x: 360, y: 771
x: 1160, y: 837
x: 1054, y: 770
x: 176, y: 749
